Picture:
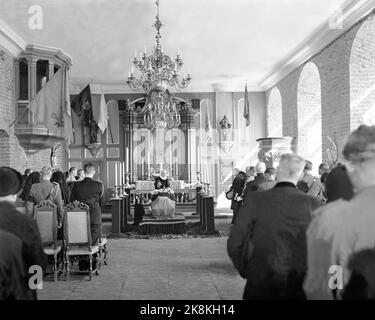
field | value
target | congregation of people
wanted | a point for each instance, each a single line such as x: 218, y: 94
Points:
x: 20, y: 240
x: 300, y: 236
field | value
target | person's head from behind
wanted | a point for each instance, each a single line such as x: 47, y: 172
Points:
x: 73, y: 171
x: 359, y: 153
x: 58, y: 177
x: 251, y: 171
x: 33, y: 178
x: 27, y: 172
x: 89, y: 170
x: 46, y: 173
x: 270, y: 173
x: 242, y: 175
x: 80, y: 174
x: 163, y: 173
x: 323, y: 167
x: 290, y: 168
x: 260, y: 168
x: 308, y: 167
x: 10, y: 184
x: 235, y: 172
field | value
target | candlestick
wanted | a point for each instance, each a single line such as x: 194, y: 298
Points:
x: 115, y: 174
x: 127, y: 159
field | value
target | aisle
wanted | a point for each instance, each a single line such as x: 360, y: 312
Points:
x: 157, y: 269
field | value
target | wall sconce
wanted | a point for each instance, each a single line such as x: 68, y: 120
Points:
x: 226, y: 138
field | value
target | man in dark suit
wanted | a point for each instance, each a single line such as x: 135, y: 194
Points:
x: 12, y: 221
x: 90, y: 192
x: 237, y: 188
x: 275, y: 221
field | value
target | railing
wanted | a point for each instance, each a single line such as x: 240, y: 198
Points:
x: 181, y: 196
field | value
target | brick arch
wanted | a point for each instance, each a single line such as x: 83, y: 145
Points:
x: 362, y: 75
x: 275, y: 114
x: 309, y: 115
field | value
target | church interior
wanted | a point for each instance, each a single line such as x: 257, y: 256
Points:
x: 191, y: 88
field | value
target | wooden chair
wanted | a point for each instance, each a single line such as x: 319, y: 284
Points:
x: 45, y: 215
x: 78, y: 235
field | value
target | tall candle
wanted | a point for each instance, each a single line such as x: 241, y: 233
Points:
x: 120, y: 174
x: 127, y: 159
x: 123, y: 172
x: 116, y: 174
x: 175, y: 159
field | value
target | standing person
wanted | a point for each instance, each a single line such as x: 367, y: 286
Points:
x: 274, y: 223
x: 13, y: 277
x: 72, y: 175
x: 270, y: 174
x: 237, y: 188
x: 162, y: 181
x: 80, y: 175
x: 259, y: 179
x: 59, y: 178
x: 33, y: 178
x: 310, y: 184
x: 46, y: 191
x: 26, y: 174
x: 338, y: 185
x: 344, y: 227
x: 18, y: 224
x: 90, y: 192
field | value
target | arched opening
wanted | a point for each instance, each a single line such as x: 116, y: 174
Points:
x: 274, y: 114
x: 362, y: 76
x: 309, y: 111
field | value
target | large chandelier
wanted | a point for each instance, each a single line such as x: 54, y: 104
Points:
x: 158, y: 72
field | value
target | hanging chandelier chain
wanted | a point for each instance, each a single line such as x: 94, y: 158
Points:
x: 159, y: 71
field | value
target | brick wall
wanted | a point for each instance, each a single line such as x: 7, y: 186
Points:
x: 11, y: 153
x: 342, y: 79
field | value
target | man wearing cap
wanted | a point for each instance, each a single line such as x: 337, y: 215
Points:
x: 343, y: 227
x: 46, y: 190
x: 18, y: 224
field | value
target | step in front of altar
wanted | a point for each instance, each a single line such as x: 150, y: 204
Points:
x: 175, y: 225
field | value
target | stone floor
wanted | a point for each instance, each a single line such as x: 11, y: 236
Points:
x: 196, y: 268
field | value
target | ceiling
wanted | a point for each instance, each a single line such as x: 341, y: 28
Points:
x: 221, y: 41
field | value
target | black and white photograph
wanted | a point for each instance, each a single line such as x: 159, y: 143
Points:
x: 189, y: 156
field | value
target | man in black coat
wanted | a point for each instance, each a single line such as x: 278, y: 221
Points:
x: 90, y: 192
x: 275, y: 221
x: 12, y: 221
x: 259, y: 179
x: 339, y: 185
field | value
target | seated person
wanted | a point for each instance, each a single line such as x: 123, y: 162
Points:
x: 162, y: 181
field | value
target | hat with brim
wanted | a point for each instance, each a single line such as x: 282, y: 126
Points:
x: 10, y: 181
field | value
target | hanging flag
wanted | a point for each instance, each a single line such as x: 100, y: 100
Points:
x: 82, y: 105
x: 103, y: 114
x: 47, y: 106
x: 246, y: 108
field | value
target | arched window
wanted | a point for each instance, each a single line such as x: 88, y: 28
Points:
x: 309, y: 111
x: 274, y: 114
x: 362, y: 76
x: 23, y: 93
